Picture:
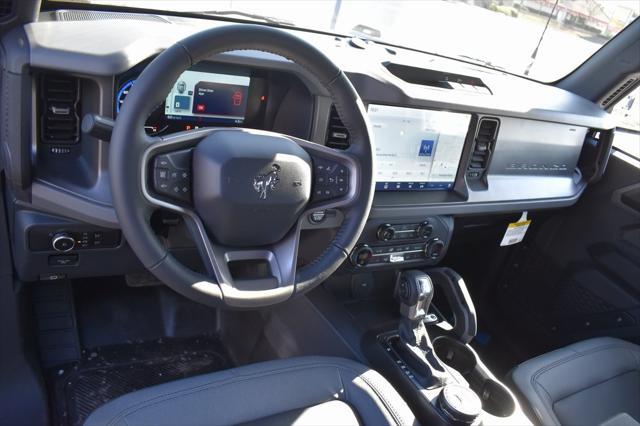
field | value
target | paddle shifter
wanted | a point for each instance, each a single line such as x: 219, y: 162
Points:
x: 414, y: 291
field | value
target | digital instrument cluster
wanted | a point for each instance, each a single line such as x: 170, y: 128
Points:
x: 204, y: 96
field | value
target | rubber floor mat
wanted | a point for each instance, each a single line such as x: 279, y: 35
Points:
x: 106, y: 373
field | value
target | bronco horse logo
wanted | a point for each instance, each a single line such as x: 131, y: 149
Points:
x: 266, y: 182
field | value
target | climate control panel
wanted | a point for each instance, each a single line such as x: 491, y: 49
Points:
x: 406, y: 231
x: 423, y: 240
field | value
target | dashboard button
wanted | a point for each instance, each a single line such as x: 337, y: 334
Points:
x: 424, y: 230
x: 63, y: 260
x: 434, y: 248
x: 361, y: 255
x: 53, y: 276
x: 63, y: 242
x: 386, y: 232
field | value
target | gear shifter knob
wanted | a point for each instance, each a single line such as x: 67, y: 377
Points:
x: 414, y: 291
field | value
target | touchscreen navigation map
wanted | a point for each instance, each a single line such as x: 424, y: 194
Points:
x: 209, y: 97
x: 417, y: 149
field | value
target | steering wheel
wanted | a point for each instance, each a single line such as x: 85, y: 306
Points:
x: 243, y: 193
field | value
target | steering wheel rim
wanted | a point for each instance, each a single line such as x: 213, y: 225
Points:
x: 131, y: 150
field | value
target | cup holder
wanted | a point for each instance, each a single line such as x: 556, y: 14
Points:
x: 455, y: 354
x: 496, y: 399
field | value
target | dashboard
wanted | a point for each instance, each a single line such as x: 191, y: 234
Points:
x: 452, y: 138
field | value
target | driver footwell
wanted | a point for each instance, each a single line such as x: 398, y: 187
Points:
x: 105, y: 373
x: 100, y: 338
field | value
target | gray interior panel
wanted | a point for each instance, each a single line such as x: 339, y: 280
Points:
x: 532, y: 166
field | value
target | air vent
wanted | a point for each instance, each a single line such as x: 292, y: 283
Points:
x: 337, y: 134
x: 483, y: 147
x: 6, y: 9
x: 90, y: 15
x: 621, y: 90
x: 595, y: 153
x: 59, y: 109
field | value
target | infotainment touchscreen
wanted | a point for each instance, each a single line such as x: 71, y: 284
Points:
x: 210, y: 97
x: 417, y: 149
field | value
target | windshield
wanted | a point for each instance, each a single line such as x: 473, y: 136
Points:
x: 542, y: 39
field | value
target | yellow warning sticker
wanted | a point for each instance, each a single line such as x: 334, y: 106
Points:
x: 516, y: 231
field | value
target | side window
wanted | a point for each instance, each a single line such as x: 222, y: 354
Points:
x: 626, y: 113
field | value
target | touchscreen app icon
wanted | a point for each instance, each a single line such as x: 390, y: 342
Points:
x: 426, y: 148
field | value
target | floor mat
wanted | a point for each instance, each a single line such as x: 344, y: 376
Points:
x: 108, y: 372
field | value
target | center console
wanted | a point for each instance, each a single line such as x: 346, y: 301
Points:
x: 429, y: 360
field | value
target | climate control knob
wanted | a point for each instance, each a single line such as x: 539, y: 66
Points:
x: 63, y: 242
x: 386, y: 232
x: 434, y: 248
x: 424, y: 230
x: 361, y: 255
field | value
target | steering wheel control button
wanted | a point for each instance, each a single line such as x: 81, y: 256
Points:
x: 63, y: 242
x: 331, y: 179
x: 318, y: 216
x: 172, y: 175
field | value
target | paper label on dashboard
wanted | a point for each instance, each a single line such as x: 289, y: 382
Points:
x: 516, y: 231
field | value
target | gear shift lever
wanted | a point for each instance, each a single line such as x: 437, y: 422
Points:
x: 414, y: 291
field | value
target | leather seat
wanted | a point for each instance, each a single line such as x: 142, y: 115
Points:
x: 301, y: 391
x: 592, y: 382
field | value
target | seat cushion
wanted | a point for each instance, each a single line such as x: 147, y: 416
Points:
x: 588, y: 383
x: 307, y: 390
